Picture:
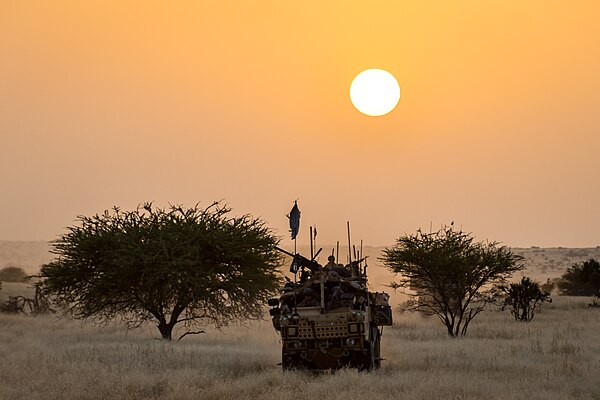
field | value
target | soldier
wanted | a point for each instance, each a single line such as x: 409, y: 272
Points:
x: 332, y: 270
x: 310, y: 297
x: 330, y: 263
x: 335, y: 270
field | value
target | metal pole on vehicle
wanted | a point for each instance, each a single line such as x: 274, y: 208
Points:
x: 322, y: 285
x: 311, y: 244
x: 349, y: 246
x: 295, y: 278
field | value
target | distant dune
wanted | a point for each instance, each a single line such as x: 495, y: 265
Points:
x: 542, y: 263
x: 552, y: 262
x: 27, y: 255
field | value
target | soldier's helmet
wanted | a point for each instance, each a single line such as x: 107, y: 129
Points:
x: 331, y: 259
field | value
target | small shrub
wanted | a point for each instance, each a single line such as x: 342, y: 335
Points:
x: 581, y: 279
x: 522, y: 298
x: 14, y: 305
x: 38, y: 305
x: 12, y: 274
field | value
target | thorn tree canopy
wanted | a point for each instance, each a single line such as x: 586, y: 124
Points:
x: 448, y: 274
x: 172, y: 266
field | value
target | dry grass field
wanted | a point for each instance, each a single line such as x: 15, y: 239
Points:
x: 556, y: 356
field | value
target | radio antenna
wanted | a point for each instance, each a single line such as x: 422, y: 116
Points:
x: 311, y: 243
x: 349, y: 246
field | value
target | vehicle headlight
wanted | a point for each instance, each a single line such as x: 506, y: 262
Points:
x: 350, y: 342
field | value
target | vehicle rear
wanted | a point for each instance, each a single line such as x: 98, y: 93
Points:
x: 345, y: 336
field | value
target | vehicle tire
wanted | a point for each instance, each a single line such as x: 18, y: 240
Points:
x: 289, y: 362
x: 365, y: 362
x: 373, y: 358
x: 376, y: 349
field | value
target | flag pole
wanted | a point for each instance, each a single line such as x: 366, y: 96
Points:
x: 295, y: 280
x: 294, y: 217
x: 295, y: 277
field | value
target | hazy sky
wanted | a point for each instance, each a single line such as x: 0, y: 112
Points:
x: 108, y: 103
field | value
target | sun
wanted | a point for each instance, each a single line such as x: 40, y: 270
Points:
x: 374, y: 92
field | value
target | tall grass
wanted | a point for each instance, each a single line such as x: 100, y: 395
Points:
x: 556, y: 356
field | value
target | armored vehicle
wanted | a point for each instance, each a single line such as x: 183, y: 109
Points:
x: 328, y: 318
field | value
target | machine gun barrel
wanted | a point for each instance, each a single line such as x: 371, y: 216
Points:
x: 284, y: 251
x: 301, y: 261
x: 292, y: 255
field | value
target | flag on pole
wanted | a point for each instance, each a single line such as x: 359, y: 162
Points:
x: 294, y: 220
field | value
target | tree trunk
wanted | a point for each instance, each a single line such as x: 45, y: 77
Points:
x: 450, y: 330
x: 166, y: 330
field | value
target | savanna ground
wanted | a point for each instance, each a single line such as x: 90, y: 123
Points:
x: 556, y: 356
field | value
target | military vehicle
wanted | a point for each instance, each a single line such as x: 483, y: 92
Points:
x: 328, y: 319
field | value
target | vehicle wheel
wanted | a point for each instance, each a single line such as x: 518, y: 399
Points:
x: 365, y: 361
x: 376, y: 349
x: 372, y: 359
x: 289, y: 362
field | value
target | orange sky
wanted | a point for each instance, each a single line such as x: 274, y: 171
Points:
x: 108, y: 103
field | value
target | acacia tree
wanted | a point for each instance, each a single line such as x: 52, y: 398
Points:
x: 172, y: 266
x: 448, y: 274
x: 522, y: 298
